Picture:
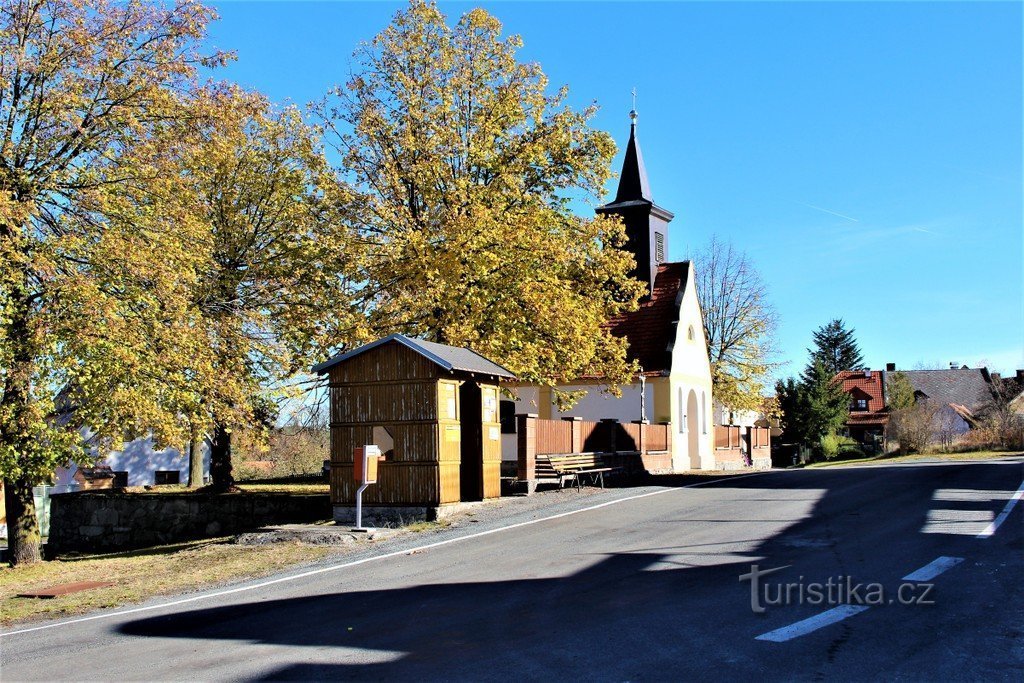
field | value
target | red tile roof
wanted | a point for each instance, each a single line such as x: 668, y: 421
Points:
x: 858, y: 385
x: 651, y: 329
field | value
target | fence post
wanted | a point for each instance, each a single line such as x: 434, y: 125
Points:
x: 575, y: 433
x: 642, y: 440
x: 526, y: 430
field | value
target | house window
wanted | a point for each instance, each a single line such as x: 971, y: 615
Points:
x: 659, y: 247
x: 859, y: 404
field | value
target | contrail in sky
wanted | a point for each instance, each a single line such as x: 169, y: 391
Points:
x: 812, y: 206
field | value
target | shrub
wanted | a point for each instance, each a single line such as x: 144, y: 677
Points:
x: 834, y: 446
x: 830, y: 446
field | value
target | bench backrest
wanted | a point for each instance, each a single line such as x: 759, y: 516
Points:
x: 576, y: 461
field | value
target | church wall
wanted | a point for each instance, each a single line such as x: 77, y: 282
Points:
x: 691, y: 371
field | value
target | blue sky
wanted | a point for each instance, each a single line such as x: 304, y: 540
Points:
x: 867, y: 156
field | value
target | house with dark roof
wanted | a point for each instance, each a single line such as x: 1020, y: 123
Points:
x: 665, y: 335
x: 962, y: 394
x: 868, y: 414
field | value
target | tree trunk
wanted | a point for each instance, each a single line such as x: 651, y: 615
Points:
x: 16, y: 426
x: 195, y: 462
x: 22, y: 524
x: 220, y: 459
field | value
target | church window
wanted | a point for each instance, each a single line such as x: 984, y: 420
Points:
x: 659, y: 247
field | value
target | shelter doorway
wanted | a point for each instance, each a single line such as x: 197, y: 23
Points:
x: 471, y: 471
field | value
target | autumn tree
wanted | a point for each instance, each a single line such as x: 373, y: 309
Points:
x: 276, y: 288
x: 465, y: 167
x: 93, y: 254
x: 739, y: 324
x: 836, y: 348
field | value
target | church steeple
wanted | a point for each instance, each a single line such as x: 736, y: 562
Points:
x: 633, y: 184
x: 646, y: 222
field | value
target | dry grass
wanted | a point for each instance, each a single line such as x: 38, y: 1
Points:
x: 142, y: 574
x: 245, y: 486
x: 257, y: 487
x: 890, y: 459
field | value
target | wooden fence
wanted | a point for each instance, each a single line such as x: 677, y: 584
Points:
x: 571, y: 435
x: 737, y: 447
x: 634, y: 446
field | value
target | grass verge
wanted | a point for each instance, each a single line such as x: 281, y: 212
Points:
x: 915, y: 457
x: 143, y: 574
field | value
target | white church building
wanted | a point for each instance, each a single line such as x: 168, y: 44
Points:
x: 665, y: 336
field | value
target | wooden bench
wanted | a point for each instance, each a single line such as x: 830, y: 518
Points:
x: 580, y: 465
x: 546, y: 472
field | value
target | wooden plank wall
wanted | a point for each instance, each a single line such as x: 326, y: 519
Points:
x: 396, y: 388
x: 554, y: 436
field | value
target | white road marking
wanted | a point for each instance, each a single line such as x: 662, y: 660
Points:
x: 991, y: 528
x: 933, y: 569
x: 818, y: 621
x: 375, y: 558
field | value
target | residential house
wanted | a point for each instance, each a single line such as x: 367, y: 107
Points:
x: 868, y: 414
x: 963, y: 395
x: 665, y: 336
x: 137, y: 463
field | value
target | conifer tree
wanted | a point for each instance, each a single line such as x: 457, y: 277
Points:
x: 827, y: 403
x: 836, y: 348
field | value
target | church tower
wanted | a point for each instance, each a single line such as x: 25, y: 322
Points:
x: 646, y: 223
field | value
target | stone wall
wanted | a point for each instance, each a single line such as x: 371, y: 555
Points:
x: 92, y: 522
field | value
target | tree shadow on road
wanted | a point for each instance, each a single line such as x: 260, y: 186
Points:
x: 656, y: 613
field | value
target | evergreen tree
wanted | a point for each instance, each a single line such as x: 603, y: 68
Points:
x: 836, y: 348
x: 827, y: 403
x: 899, y: 391
x: 792, y: 400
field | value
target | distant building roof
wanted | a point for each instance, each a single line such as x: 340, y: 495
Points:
x: 448, y: 357
x: 967, y: 387
x: 650, y: 330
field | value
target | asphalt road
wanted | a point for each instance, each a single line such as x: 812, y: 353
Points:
x: 641, y: 588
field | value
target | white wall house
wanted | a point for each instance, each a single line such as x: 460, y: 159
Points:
x: 141, y: 460
x: 665, y: 336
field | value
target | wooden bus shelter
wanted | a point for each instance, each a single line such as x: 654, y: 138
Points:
x: 432, y: 410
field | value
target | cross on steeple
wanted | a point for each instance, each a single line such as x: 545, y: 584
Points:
x: 632, y: 113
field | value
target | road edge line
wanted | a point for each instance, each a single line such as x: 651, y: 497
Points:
x: 374, y: 558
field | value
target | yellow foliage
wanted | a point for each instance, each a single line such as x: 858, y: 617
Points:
x: 464, y: 169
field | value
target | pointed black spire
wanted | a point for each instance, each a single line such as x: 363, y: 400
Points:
x: 633, y: 183
x: 646, y: 222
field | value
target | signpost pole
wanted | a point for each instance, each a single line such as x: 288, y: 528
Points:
x: 365, y: 463
x: 359, y: 507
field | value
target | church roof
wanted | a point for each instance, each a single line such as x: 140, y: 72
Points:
x: 651, y: 329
